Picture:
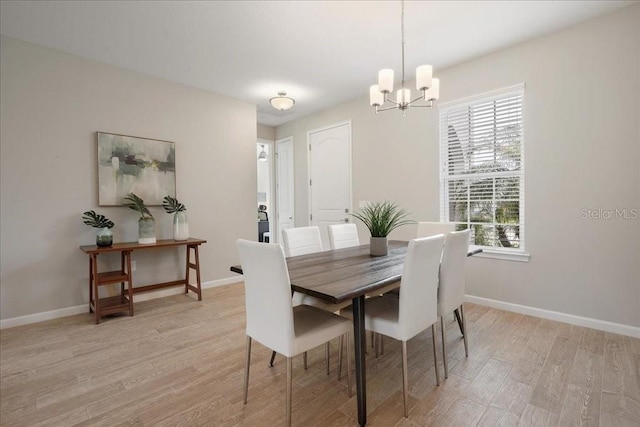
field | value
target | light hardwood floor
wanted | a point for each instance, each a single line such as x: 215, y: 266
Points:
x: 180, y: 362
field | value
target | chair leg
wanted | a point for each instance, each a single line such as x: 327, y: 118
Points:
x: 464, y: 332
x: 340, y: 358
x: 289, y: 389
x: 373, y: 339
x: 246, y: 368
x: 381, y: 345
x: 349, y: 393
x: 434, y: 330
x: 444, y: 348
x: 273, y: 357
x: 405, y: 378
x: 327, y: 351
x: 304, y: 359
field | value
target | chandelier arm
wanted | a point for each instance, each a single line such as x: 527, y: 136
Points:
x: 417, y: 99
x: 386, y: 109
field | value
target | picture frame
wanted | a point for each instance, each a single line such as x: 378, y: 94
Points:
x: 131, y: 164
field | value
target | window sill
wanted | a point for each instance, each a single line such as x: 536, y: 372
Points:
x: 503, y: 255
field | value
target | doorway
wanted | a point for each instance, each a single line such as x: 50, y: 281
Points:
x: 285, y: 199
x: 265, y: 197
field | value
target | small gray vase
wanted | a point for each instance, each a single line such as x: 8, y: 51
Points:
x: 378, y: 246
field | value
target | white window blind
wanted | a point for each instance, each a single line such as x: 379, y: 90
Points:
x: 482, y: 168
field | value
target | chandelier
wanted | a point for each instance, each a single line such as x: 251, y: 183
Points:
x: 425, y: 83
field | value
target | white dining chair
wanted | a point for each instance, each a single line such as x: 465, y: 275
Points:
x: 343, y: 236
x: 415, y: 309
x: 452, y: 285
x: 302, y: 241
x: 277, y: 324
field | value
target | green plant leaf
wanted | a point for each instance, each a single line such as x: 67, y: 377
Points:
x: 171, y: 205
x: 96, y: 220
x: 137, y: 204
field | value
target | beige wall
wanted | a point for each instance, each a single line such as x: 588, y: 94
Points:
x: 582, y: 151
x: 52, y: 104
x: 266, y: 132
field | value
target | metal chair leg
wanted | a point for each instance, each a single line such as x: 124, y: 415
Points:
x: 273, y: 357
x: 304, y: 359
x: 405, y: 378
x: 381, y: 345
x: 435, y: 354
x: 375, y: 344
x: 246, y: 368
x: 444, y: 348
x: 289, y: 389
x: 340, y: 358
x: 464, y: 332
x: 349, y: 393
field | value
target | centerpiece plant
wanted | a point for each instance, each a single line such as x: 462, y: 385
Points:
x: 381, y: 218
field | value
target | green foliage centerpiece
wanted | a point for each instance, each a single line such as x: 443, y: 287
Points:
x: 104, y: 237
x: 171, y: 205
x: 381, y: 218
x: 146, y: 223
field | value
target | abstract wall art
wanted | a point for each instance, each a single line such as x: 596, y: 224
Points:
x: 129, y: 164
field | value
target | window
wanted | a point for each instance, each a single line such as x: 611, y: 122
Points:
x: 482, y: 168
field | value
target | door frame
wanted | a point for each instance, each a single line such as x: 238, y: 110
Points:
x: 321, y: 129
x: 275, y: 235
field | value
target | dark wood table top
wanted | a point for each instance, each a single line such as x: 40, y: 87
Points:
x: 343, y: 274
x: 130, y: 246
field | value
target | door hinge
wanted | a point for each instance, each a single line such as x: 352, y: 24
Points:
x: 309, y: 182
x: 309, y: 147
x: 311, y: 217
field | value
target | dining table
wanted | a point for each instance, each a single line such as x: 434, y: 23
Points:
x: 345, y: 274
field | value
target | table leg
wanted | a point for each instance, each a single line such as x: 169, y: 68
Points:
x: 360, y: 341
x: 199, y: 285
x: 186, y: 274
x: 90, y: 283
x: 457, y: 314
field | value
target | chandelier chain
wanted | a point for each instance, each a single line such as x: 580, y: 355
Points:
x: 402, y: 36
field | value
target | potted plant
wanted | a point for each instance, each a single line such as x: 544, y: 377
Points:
x: 179, y: 211
x: 146, y: 223
x: 381, y: 218
x: 104, y: 237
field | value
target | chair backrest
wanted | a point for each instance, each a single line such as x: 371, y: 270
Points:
x: 426, y: 229
x: 419, y: 286
x: 301, y: 241
x: 267, y: 294
x: 452, y: 275
x: 343, y: 236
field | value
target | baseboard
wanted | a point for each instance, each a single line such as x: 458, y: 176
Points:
x: 84, y: 308
x: 601, y: 325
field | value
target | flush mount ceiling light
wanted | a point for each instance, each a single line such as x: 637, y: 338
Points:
x: 282, y: 102
x: 263, y: 154
x: 430, y: 87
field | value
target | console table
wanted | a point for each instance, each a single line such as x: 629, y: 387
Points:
x: 124, y: 301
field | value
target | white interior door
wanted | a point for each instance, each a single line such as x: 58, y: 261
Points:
x: 330, y: 177
x: 284, y: 186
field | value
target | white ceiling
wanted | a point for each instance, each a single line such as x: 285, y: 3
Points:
x: 320, y: 52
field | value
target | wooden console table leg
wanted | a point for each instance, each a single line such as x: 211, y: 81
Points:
x: 186, y: 274
x: 90, y: 283
x: 127, y: 254
x: 96, y: 295
x: 196, y: 266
